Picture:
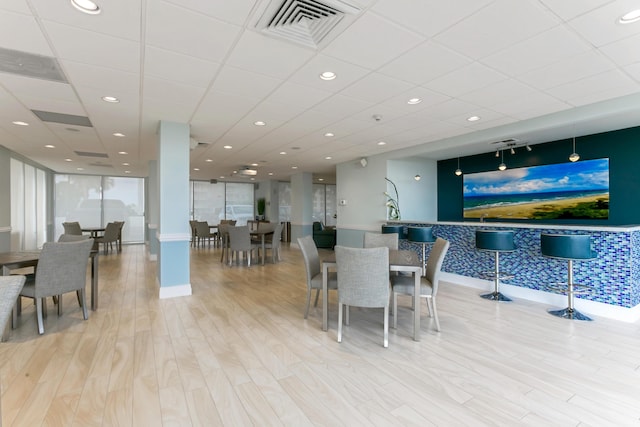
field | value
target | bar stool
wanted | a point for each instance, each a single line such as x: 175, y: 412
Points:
x: 496, y: 241
x: 421, y: 235
x: 389, y: 229
x: 569, y: 247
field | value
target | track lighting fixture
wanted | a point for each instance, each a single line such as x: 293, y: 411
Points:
x: 527, y: 147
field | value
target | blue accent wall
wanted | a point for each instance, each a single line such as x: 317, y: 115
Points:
x: 622, y: 147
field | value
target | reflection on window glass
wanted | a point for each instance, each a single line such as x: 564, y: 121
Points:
x: 207, y: 202
x: 284, y: 201
x: 324, y: 203
x: 239, y: 204
x: 28, y: 206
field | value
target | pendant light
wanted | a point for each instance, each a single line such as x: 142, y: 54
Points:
x: 502, y: 166
x: 458, y: 171
x: 574, y: 157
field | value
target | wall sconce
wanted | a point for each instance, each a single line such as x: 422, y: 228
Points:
x: 502, y: 166
x: 458, y: 171
x: 574, y: 157
x: 417, y: 177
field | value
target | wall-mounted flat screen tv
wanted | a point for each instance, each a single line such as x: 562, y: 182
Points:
x: 577, y: 190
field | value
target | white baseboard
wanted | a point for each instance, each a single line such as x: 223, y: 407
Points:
x: 554, y: 300
x: 175, y: 291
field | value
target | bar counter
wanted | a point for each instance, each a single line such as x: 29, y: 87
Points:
x: 614, y: 274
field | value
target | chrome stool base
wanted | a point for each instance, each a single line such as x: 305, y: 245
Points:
x: 495, y: 296
x: 569, y: 313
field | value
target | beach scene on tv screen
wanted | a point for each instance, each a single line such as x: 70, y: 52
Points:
x: 577, y: 190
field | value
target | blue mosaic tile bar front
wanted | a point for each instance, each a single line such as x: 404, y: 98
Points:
x: 614, y: 275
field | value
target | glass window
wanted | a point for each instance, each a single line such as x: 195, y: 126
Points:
x: 284, y: 201
x: 28, y: 206
x: 324, y: 203
x: 123, y: 200
x: 239, y: 202
x: 207, y: 202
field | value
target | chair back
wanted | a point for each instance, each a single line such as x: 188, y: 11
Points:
x: 62, y: 267
x: 111, y: 232
x: 434, y: 263
x: 377, y: 240
x: 311, y: 257
x: 239, y: 238
x: 202, y: 229
x: 72, y: 228
x: 277, y: 234
x: 72, y: 238
x: 10, y: 287
x: 363, y: 276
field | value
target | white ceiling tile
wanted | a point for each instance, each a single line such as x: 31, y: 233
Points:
x: 95, y: 49
x: 20, y: 6
x: 537, y: 104
x: 22, y: 33
x: 376, y: 87
x: 497, y: 26
x: 342, y: 106
x: 567, y: 70
x: 465, y: 79
x: 625, y: 51
x: 429, y: 98
x: 272, y: 113
x: 497, y: 93
x: 427, y: 17
x: 595, y: 88
x: 234, y: 11
x: 570, y: 9
x: 243, y: 82
x: 539, y: 51
x: 372, y: 41
x: 26, y: 86
x: 346, y: 73
x: 600, y: 26
x: 261, y: 54
x: 117, y: 18
x: 222, y: 109
x: 302, y: 97
x: 178, y: 68
x: 183, y: 31
x: 54, y: 105
x: 425, y: 62
x: 634, y: 71
x: 110, y: 81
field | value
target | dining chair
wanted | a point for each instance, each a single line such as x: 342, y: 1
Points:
x: 428, y: 284
x: 240, y: 242
x: 111, y: 233
x: 363, y: 281
x: 72, y: 228
x: 314, y: 270
x: 62, y: 268
x: 272, y: 242
x: 203, y: 232
x: 377, y: 240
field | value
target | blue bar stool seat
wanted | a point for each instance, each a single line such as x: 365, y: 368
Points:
x: 392, y: 228
x: 423, y: 235
x: 568, y: 247
x: 496, y: 241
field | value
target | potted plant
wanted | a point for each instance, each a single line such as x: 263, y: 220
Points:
x: 261, y: 205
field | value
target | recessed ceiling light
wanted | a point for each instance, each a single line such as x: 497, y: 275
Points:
x: 328, y: 158
x: 125, y: 164
x: 259, y: 123
x: 329, y: 134
x: 254, y: 164
x: 328, y: 75
x: 320, y: 179
x: 414, y: 101
x: 50, y: 146
x: 196, y: 169
x: 122, y: 152
x: 473, y: 118
x: 270, y: 173
x: 86, y: 6
x: 294, y: 167
x: 227, y: 147
x: 19, y: 123
x: 127, y: 171
x: 72, y: 129
x: 221, y: 176
x: 118, y: 134
x: 111, y: 99
x: 630, y: 17
x: 80, y: 169
x: 252, y: 179
x: 208, y: 160
x: 283, y: 152
x: 382, y: 143
x: 68, y: 160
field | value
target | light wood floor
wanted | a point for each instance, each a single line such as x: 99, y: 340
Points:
x: 239, y: 353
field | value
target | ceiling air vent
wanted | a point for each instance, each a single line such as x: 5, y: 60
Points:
x: 506, y: 141
x: 31, y: 65
x: 65, y: 119
x: 90, y: 154
x: 307, y: 22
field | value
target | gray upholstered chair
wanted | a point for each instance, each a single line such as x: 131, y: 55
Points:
x: 428, y: 286
x: 378, y: 240
x: 10, y: 287
x: 272, y: 242
x: 62, y: 268
x: 73, y: 238
x: 314, y: 270
x: 111, y: 233
x: 223, y: 237
x: 72, y: 228
x: 363, y: 281
x: 240, y: 242
x: 203, y: 232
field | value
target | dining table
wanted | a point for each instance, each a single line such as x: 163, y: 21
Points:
x: 10, y: 261
x: 262, y: 233
x: 399, y: 260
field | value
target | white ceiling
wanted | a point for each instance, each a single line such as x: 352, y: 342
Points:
x: 532, y: 70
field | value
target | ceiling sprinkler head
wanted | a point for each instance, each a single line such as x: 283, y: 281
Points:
x: 377, y: 117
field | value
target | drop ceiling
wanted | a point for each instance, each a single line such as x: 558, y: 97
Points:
x: 531, y: 70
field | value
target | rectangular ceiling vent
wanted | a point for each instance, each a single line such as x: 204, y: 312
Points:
x: 31, y: 65
x: 505, y: 141
x: 102, y: 165
x: 308, y: 22
x: 90, y: 154
x: 65, y: 119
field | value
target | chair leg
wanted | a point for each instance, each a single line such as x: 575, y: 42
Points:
x: 395, y: 310
x: 39, y: 315
x: 59, y: 305
x: 435, y: 313
x: 85, y: 314
x: 339, y: 322
x: 306, y: 310
x: 385, y: 341
x: 315, y: 304
x: 346, y: 309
